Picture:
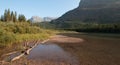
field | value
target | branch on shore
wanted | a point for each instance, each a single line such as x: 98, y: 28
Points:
x: 27, y: 51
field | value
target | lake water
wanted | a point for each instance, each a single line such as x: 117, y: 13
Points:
x: 52, y: 52
x: 94, y: 50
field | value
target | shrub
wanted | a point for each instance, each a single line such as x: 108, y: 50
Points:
x: 21, y: 31
x: 6, y: 38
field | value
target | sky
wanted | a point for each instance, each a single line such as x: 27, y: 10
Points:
x: 41, y: 8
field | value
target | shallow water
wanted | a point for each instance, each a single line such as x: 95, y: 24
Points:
x: 88, y: 50
x: 51, y: 52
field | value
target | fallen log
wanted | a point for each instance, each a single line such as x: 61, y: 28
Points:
x: 27, y: 52
x: 18, y: 57
x: 45, y: 41
x: 10, y: 53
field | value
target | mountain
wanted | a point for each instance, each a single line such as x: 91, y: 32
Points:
x: 94, y: 11
x: 48, y: 19
x: 36, y: 19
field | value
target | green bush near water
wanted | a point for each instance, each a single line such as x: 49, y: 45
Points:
x: 6, y: 38
x: 21, y: 31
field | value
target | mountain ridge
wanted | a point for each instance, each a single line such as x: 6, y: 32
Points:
x: 94, y: 11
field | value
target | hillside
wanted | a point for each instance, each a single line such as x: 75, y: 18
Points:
x: 97, y: 11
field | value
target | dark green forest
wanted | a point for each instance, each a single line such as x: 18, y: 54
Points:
x: 86, y: 27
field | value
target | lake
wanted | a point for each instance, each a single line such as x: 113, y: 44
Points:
x: 78, y: 49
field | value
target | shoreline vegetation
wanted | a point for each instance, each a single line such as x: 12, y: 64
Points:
x: 14, y: 36
x: 18, y: 32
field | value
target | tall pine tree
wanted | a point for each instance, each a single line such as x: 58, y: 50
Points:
x: 15, y: 17
x: 8, y: 15
x: 5, y: 15
x: 12, y: 14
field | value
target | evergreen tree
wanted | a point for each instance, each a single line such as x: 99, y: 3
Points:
x: 15, y: 17
x: 21, y: 18
x: 2, y: 18
x: 5, y: 15
x: 8, y: 15
x: 12, y: 15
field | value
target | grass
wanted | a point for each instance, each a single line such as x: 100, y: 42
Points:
x: 94, y: 50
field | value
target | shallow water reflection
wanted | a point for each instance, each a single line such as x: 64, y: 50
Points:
x: 51, y: 52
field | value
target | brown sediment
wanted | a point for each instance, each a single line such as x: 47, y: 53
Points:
x: 66, y: 39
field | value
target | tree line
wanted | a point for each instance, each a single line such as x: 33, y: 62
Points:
x: 87, y: 27
x: 11, y: 16
x: 97, y: 28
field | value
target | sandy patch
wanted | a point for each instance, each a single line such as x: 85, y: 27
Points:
x: 65, y: 39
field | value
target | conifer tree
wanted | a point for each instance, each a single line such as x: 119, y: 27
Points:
x: 21, y: 18
x: 8, y: 15
x: 2, y: 18
x: 12, y: 15
x: 15, y: 17
x: 5, y: 15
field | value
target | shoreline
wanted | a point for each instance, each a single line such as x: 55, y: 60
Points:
x: 23, y: 53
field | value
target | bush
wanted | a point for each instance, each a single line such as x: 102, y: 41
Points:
x: 6, y: 38
x: 21, y: 31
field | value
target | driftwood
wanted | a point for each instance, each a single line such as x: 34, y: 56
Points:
x: 9, y: 53
x: 45, y: 41
x: 18, y: 57
x: 27, y: 51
